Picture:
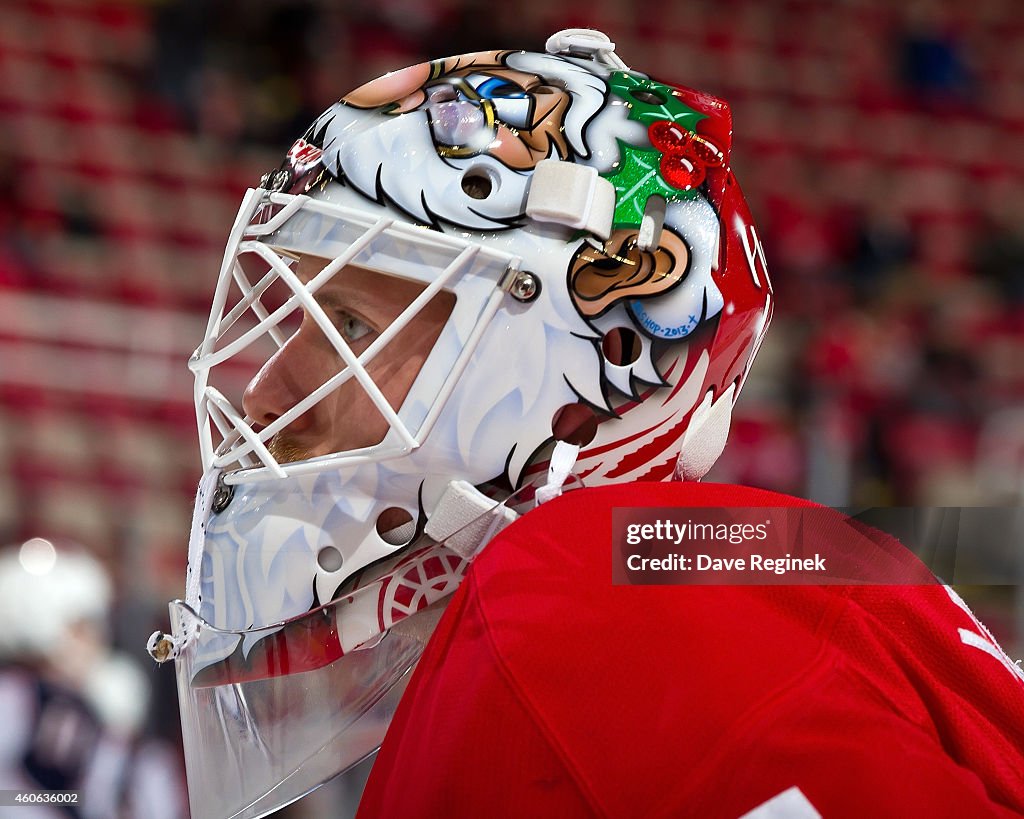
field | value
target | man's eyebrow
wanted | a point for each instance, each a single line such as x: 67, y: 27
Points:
x: 334, y: 298
x: 348, y: 299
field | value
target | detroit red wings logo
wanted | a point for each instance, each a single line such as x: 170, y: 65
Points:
x: 355, y: 622
x: 426, y: 578
x: 302, y: 154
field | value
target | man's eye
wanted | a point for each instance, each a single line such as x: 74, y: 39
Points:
x: 352, y: 328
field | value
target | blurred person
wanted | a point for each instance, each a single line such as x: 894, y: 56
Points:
x: 932, y: 63
x: 998, y: 246
x: 72, y: 708
x: 881, y: 246
x: 472, y: 286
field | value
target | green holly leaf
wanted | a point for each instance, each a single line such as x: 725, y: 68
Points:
x: 650, y: 101
x: 636, y: 177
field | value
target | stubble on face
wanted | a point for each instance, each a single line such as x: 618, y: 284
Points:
x: 285, y: 450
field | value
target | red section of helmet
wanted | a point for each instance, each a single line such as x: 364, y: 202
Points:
x: 743, y: 279
x: 716, y: 128
x: 742, y: 322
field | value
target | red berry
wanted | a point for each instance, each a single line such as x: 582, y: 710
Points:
x: 681, y: 172
x: 668, y: 137
x: 704, y: 153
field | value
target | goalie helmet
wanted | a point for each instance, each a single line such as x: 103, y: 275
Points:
x: 468, y: 279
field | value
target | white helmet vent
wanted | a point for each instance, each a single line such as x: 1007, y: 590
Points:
x: 586, y: 43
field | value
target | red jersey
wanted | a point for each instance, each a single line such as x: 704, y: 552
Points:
x: 548, y: 691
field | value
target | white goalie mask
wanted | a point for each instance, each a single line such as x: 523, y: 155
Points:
x: 468, y: 278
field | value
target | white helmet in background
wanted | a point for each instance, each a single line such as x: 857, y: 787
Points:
x: 45, y: 593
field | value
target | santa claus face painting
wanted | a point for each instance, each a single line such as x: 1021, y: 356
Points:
x: 476, y: 104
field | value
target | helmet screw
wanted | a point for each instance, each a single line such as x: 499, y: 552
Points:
x: 222, y: 496
x: 525, y: 286
x: 160, y: 647
x: 276, y: 181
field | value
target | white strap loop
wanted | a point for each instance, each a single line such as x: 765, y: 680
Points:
x: 465, y: 519
x: 572, y: 195
x: 563, y: 459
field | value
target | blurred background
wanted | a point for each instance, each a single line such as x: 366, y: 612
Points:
x: 879, y: 145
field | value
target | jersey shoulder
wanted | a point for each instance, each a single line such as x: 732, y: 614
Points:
x: 586, y: 679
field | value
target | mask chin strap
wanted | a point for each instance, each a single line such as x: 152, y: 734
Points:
x: 705, y: 436
x: 563, y: 459
x: 161, y: 646
x: 465, y: 519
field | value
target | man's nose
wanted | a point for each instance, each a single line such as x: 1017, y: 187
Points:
x: 286, y: 378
